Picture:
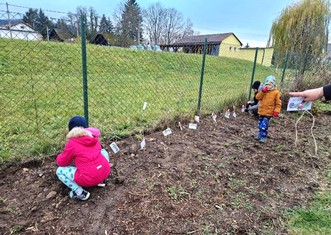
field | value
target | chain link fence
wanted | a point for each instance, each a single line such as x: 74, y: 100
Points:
x: 122, y: 91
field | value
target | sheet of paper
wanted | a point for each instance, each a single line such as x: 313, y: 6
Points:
x: 297, y: 104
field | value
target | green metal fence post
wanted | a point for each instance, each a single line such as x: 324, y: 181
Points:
x: 253, y: 73
x: 285, y: 65
x: 84, y: 66
x: 201, y: 76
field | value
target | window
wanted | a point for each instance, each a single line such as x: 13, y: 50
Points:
x: 22, y: 27
x: 230, y: 48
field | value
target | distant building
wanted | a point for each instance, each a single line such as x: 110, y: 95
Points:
x: 195, y: 44
x: 60, y: 35
x: 222, y: 44
x: 100, y: 39
x: 21, y: 31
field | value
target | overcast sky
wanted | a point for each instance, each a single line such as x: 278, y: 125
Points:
x: 249, y: 20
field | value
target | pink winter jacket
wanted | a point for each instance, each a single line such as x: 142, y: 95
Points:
x: 84, y: 150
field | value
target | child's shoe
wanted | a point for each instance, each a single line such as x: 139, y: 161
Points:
x: 102, y: 184
x: 263, y: 139
x: 82, y: 197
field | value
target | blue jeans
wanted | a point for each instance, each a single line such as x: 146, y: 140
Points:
x: 263, y: 126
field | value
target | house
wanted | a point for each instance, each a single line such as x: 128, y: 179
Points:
x: 60, y: 35
x: 222, y: 44
x: 195, y: 44
x: 21, y: 31
x: 264, y: 55
x: 100, y: 39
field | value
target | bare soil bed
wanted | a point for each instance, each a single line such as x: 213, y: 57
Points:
x: 213, y: 180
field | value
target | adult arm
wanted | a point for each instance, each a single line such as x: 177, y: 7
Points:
x: 311, y: 94
x: 327, y: 92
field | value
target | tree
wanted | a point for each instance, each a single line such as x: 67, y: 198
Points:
x: 302, y: 28
x: 31, y: 17
x: 73, y: 22
x: 154, y: 22
x: 165, y: 25
x: 93, y: 23
x: 106, y: 25
x: 187, y: 29
x: 62, y: 24
x: 129, y: 26
x: 38, y: 21
x: 174, y: 26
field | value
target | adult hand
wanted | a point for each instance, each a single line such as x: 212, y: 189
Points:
x: 309, y: 95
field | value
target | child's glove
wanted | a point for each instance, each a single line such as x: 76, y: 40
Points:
x: 265, y: 89
x: 276, y: 114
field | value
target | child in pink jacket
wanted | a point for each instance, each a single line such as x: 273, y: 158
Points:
x: 90, y: 162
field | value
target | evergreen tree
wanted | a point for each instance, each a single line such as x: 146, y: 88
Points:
x: 130, y: 25
x: 38, y: 21
x: 106, y: 25
x: 44, y: 24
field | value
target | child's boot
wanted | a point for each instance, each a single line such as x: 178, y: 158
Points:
x: 84, y: 195
x: 263, y: 139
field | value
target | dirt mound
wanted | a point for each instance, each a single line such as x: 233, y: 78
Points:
x: 214, y: 179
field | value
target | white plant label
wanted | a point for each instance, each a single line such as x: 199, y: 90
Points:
x: 193, y: 126
x: 167, y: 132
x: 142, y: 144
x: 234, y: 114
x: 196, y: 118
x: 214, y: 116
x: 145, y: 105
x: 114, y: 147
x: 180, y: 126
x: 227, y: 114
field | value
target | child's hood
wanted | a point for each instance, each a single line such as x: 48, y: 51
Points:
x: 84, y: 135
x: 94, y: 131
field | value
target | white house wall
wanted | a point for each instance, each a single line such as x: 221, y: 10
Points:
x: 19, y: 31
x: 17, y: 34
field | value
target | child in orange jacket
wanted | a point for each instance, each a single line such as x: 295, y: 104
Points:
x: 269, y: 106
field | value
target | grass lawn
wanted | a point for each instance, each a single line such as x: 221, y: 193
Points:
x: 42, y: 88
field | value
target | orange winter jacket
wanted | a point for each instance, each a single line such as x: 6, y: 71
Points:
x: 269, y: 102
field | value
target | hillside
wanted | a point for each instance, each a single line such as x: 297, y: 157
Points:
x: 42, y: 87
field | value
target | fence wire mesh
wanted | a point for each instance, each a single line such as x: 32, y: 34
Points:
x: 129, y: 90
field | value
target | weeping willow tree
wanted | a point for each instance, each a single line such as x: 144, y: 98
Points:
x: 302, y: 29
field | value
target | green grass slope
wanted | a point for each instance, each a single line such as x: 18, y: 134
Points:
x: 42, y: 87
